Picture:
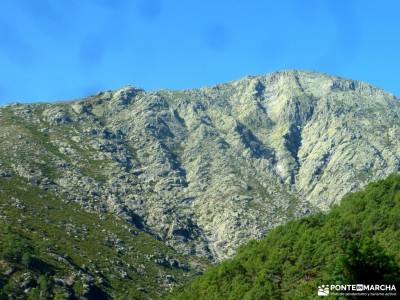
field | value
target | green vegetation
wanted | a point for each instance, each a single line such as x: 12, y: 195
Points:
x: 356, y: 242
x: 50, y: 249
x: 30, y: 136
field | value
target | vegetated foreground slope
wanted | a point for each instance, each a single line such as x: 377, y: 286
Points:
x: 356, y: 242
x: 50, y: 249
x: 208, y: 169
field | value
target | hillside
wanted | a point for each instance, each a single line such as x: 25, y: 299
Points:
x: 356, y: 242
x: 206, y: 170
x: 50, y: 249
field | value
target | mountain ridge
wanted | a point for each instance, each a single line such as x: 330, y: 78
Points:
x: 245, y: 77
x: 208, y: 169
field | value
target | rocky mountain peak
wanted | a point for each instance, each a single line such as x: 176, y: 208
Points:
x: 208, y: 169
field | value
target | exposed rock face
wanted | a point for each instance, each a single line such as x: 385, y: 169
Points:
x: 210, y: 168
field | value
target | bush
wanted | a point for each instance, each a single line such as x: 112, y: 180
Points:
x: 12, y: 248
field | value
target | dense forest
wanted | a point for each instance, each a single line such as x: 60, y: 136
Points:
x: 358, y: 241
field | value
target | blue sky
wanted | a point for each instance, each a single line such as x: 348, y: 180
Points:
x: 62, y: 49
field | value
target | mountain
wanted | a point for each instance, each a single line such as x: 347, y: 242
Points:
x: 50, y: 249
x: 206, y: 170
x: 358, y: 241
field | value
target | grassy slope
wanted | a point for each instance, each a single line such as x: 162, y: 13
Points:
x: 48, y: 239
x: 356, y: 242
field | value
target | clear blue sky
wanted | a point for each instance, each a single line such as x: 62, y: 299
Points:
x: 61, y: 49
